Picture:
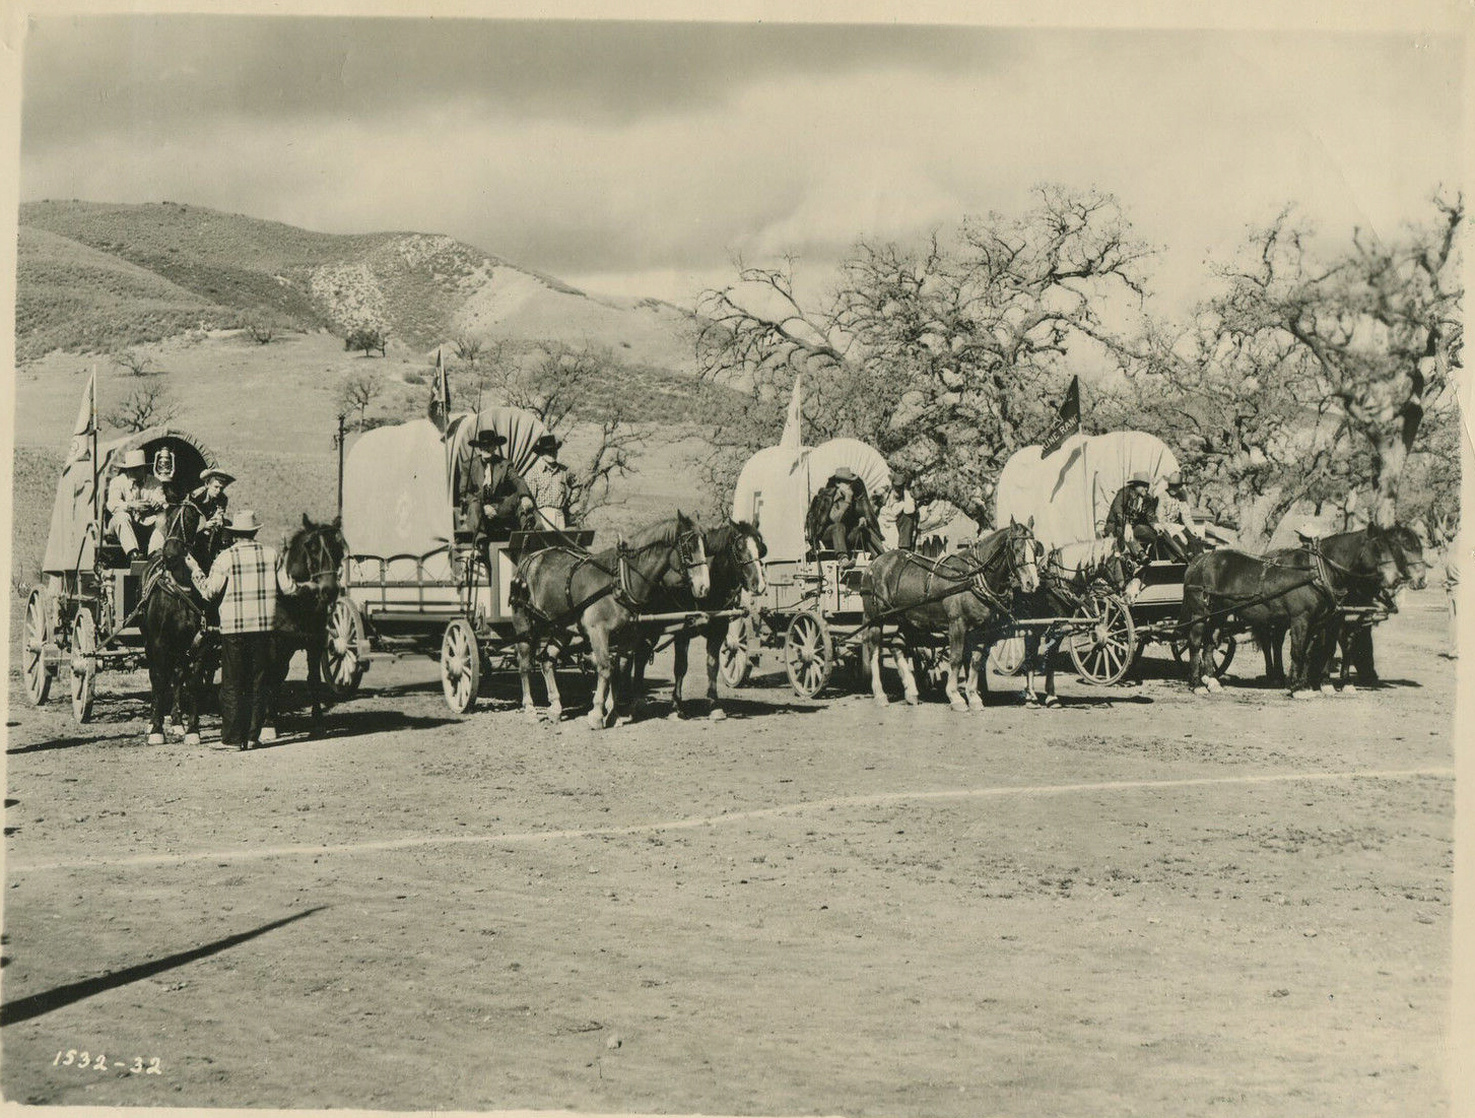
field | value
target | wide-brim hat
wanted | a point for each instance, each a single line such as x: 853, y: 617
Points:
x: 547, y: 444
x: 1140, y: 479
x: 243, y: 523
x: 227, y: 478
x: 844, y: 473
x: 1175, y: 478
x: 134, y: 460
x: 488, y: 440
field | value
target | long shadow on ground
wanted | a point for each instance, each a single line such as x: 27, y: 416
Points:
x: 23, y: 1009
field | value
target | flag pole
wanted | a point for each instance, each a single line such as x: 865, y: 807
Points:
x: 96, y: 504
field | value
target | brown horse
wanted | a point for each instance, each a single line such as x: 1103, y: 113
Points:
x: 1355, y: 637
x: 312, y: 557
x: 959, y: 594
x: 1228, y: 591
x: 604, y: 595
x: 736, y: 552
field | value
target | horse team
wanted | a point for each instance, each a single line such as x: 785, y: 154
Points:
x: 675, y: 566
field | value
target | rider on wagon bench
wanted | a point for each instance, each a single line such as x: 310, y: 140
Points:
x: 498, y: 501
x: 136, y: 503
x: 1133, y: 516
x: 843, y: 519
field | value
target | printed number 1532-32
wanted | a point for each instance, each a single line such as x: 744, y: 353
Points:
x: 85, y: 1061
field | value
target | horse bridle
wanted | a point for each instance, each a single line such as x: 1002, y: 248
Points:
x: 325, y: 553
x: 687, y: 544
x: 737, y: 551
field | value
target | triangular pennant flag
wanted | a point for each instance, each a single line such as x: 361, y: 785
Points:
x: 793, y: 436
x: 1067, y: 421
x: 86, y: 425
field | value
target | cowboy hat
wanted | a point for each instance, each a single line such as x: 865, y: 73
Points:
x: 487, y: 440
x: 547, y: 444
x: 844, y: 473
x: 206, y: 475
x: 243, y: 523
x: 134, y: 460
x: 1140, y: 478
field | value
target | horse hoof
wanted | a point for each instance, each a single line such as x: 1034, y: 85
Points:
x: 1213, y: 684
x: 156, y: 739
x: 268, y: 734
x: 623, y: 720
x: 881, y: 701
x: 1204, y: 691
x: 555, y: 712
x: 717, y: 714
x: 191, y: 739
x: 1350, y: 689
x: 674, y: 716
x: 594, y: 721
x: 975, y: 704
x: 1303, y: 694
x: 912, y: 699
x: 1051, y: 702
x: 174, y: 730
x: 958, y: 705
x: 1328, y: 689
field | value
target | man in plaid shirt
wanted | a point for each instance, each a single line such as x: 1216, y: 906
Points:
x: 246, y: 578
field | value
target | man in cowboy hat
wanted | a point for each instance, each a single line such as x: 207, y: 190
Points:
x: 548, y: 482
x: 499, y: 500
x: 1175, y: 523
x: 245, y: 579
x: 210, y: 499
x: 842, y: 518
x: 1133, y: 511
x: 136, y: 503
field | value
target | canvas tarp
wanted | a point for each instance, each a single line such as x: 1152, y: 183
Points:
x: 69, y: 543
x: 396, y: 491
x: 1070, y: 492
x: 775, y: 487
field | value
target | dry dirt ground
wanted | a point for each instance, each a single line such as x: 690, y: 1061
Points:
x: 1143, y: 903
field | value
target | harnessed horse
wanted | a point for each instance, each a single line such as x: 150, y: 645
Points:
x: 735, y: 551
x: 1227, y: 591
x: 959, y: 594
x: 604, y: 595
x: 313, y: 556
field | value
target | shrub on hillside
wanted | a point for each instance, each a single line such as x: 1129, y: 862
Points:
x: 135, y: 362
x: 368, y: 339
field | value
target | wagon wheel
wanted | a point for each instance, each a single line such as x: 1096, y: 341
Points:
x: 33, y: 655
x: 809, y: 654
x: 1103, y: 652
x: 84, y: 665
x: 1220, y: 655
x: 460, y: 666
x: 1006, y: 657
x: 735, y: 661
x: 342, y: 663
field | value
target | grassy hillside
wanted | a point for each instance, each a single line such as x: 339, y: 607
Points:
x: 95, y: 276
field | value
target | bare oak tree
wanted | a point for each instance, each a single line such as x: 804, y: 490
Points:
x: 355, y: 393
x: 947, y: 357
x: 149, y: 405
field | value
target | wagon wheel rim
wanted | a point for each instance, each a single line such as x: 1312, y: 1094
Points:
x: 460, y: 666
x: 808, y: 654
x: 33, y: 654
x: 84, y: 665
x: 1221, y: 654
x: 342, y: 664
x: 1103, y: 653
x: 734, y: 659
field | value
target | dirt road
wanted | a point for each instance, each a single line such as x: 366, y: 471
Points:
x: 1143, y: 903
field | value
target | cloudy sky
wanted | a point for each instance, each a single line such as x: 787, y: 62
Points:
x: 639, y: 158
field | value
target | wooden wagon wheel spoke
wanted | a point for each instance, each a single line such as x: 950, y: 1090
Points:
x: 460, y: 666
x: 33, y: 658
x: 84, y: 665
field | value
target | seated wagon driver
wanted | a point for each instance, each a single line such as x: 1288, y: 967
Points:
x: 1175, y: 522
x: 1132, y: 516
x: 549, y: 484
x: 500, y: 502
x: 136, y: 503
x: 842, y: 517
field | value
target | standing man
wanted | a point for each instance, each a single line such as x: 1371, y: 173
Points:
x: 548, y: 481
x: 898, y: 515
x: 136, y: 504
x: 245, y: 579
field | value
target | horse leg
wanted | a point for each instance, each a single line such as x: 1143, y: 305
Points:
x: 161, y: 693
x: 1300, y: 646
x: 315, y: 681
x: 525, y: 675
x: 716, y: 635
x: 680, y: 650
x: 906, y: 666
x: 872, y: 646
x: 1051, y: 644
x: 957, y: 649
x: 193, y: 686
x: 600, y: 651
x: 975, y: 657
x: 1031, y: 652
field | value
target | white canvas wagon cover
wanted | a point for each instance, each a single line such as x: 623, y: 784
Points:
x: 1070, y: 492
x: 402, y: 484
x: 775, y: 487
x: 69, y: 543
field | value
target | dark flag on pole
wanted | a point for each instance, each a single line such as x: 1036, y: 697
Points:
x: 1067, y: 421
x: 440, y: 396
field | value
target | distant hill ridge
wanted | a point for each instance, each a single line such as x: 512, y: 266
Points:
x: 94, y: 277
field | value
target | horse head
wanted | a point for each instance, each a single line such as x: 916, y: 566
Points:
x: 1378, y: 557
x: 746, y: 551
x: 315, y: 554
x: 1408, y: 550
x: 1025, y: 553
x: 172, y: 559
x: 691, y: 555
